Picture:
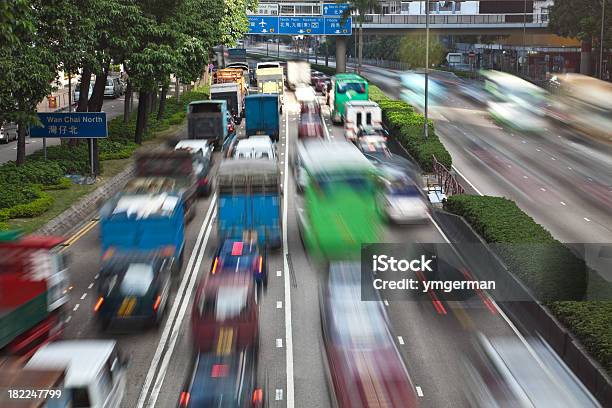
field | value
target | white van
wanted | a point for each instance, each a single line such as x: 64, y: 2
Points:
x: 95, y: 371
x: 358, y: 114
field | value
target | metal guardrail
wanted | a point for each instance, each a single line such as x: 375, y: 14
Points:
x: 446, y: 180
x: 480, y: 19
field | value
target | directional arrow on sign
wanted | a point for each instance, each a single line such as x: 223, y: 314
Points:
x: 301, y: 31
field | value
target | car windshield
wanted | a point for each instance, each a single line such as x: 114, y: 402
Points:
x: 229, y: 303
x: 344, y: 87
x: 137, y: 280
x: 355, y: 182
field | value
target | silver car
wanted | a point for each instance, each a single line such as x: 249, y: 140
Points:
x: 8, y: 132
x: 112, y: 88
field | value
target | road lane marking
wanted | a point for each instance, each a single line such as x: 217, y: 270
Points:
x: 279, y: 304
x: 68, y: 319
x: 288, y: 326
x: 279, y: 394
x: 386, y: 302
x: 586, y: 219
x: 96, y: 276
x: 562, y: 203
x: 76, y: 307
x: 552, y: 158
x: 465, y: 178
x: 79, y: 234
x: 90, y: 285
x: 419, y: 391
x: 279, y: 273
x: 279, y: 343
x: 400, y: 339
x: 84, y: 296
x: 542, y: 188
x: 175, y: 306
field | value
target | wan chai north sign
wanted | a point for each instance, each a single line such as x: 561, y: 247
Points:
x: 77, y: 125
x: 329, y: 23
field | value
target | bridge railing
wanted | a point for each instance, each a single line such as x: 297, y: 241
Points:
x: 493, y: 19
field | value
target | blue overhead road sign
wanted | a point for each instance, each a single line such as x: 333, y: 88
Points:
x: 333, y: 26
x: 263, y: 24
x: 301, y: 25
x: 334, y: 9
x: 71, y: 125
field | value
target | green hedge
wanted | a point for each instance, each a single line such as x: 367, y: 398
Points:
x: 546, y: 266
x: 21, y: 188
x: 591, y: 322
x: 407, y: 127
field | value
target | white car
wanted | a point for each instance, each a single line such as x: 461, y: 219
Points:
x: 255, y: 147
x: 8, y: 132
x: 95, y: 371
x: 516, y: 116
x: 403, y: 201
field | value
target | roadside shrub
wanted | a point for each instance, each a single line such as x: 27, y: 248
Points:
x: 64, y: 183
x: 546, y: 266
x: 40, y: 202
x: 32, y: 172
x: 14, y: 194
x: 591, y: 323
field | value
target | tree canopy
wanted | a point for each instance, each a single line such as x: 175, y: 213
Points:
x: 581, y: 19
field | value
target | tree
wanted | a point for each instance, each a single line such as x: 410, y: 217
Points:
x: 361, y: 7
x: 581, y: 19
x: 28, y: 67
x: 413, y: 49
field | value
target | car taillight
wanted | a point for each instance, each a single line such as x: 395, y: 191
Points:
x: 184, y: 400
x: 203, y: 181
x: 98, y: 304
x: 156, y: 304
x: 257, y: 397
x: 219, y: 371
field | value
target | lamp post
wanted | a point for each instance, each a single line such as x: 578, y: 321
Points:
x: 601, y: 37
x: 426, y: 134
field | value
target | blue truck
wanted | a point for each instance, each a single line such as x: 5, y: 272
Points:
x: 262, y: 115
x: 249, y: 201
x: 144, y: 222
x: 207, y: 120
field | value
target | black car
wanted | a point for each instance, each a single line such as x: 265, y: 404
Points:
x: 133, y: 287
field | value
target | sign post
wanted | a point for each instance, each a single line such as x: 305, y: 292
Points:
x: 72, y: 125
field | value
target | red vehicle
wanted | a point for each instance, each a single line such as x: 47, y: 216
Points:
x: 320, y: 83
x: 33, y: 292
x: 225, y: 315
x: 364, y: 367
x: 310, y: 126
x: 312, y: 107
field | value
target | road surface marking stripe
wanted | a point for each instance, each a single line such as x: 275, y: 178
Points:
x: 68, y: 319
x: 279, y: 273
x: 562, y: 203
x: 288, y: 326
x: 419, y: 391
x: 84, y: 296
x: 465, y: 178
x: 552, y: 158
x: 386, y: 302
x: 181, y: 314
x: 279, y: 394
x: 279, y: 304
x: 90, y: 285
x: 586, y: 219
x: 279, y: 343
x: 76, y: 307
x: 171, y: 316
x: 542, y: 188
x: 400, y: 339
x: 79, y: 234
x: 97, y: 276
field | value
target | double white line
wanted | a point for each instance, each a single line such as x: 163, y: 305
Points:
x: 177, y: 314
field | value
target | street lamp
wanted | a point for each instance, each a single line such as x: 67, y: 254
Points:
x: 426, y: 134
x: 601, y: 37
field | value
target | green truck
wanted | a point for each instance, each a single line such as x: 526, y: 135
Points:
x: 341, y: 200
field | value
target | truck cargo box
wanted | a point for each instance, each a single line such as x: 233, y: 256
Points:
x: 262, y: 115
x: 207, y: 120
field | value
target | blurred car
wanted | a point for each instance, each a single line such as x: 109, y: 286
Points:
x: 516, y: 116
x: 229, y: 145
x: 77, y: 92
x: 310, y: 126
x: 314, y: 76
x: 474, y: 92
x: 255, y: 147
x: 202, y: 152
x: 95, y: 371
x: 8, y: 132
x: 373, y: 143
x: 112, y: 88
x: 310, y: 107
x: 223, y: 381
x: 225, y: 307
x: 320, y: 84
x: 504, y: 372
x: 403, y: 200
x: 364, y: 367
x: 133, y: 287
x: 241, y: 257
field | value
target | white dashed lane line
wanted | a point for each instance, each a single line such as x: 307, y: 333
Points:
x: 279, y: 304
x: 279, y: 273
x: 76, y: 307
x: 562, y: 203
x: 586, y: 219
x: 84, y: 296
x: 279, y: 343
x: 419, y: 391
x: 400, y: 339
x: 90, y: 285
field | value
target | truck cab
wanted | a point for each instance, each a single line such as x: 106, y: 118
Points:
x: 33, y: 291
x: 360, y: 114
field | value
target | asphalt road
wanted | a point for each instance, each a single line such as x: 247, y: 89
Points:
x: 112, y: 107
x: 561, y: 178
x: 291, y: 367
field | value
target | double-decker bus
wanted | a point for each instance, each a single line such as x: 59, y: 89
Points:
x: 344, y: 88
